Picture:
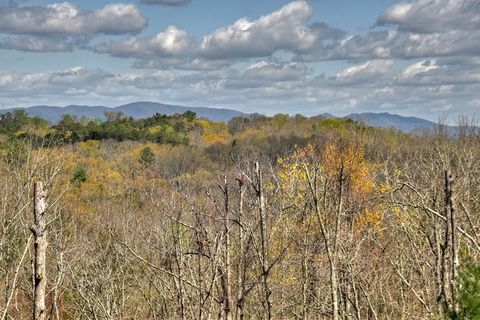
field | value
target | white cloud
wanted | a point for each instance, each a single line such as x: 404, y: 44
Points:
x: 415, y: 29
x: 275, y: 71
x: 434, y: 28
x: 394, y: 44
x: 443, y: 76
x: 17, y: 84
x: 171, y: 42
x: 65, y: 18
x: 182, y: 63
x: 284, y: 29
x: 418, y: 68
x: 143, y: 80
x: 369, y: 71
x: 78, y: 75
x: 374, y: 45
x: 280, y: 30
x: 433, y: 16
x: 36, y: 44
x: 451, y: 43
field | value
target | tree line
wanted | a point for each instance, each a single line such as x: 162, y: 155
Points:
x: 158, y: 128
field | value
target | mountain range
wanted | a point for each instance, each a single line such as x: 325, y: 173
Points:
x: 388, y: 120
x: 137, y: 110
x: 145, y: 109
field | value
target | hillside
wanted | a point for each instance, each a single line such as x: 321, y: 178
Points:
x: 136, y: 207
x: 388, y: 120
x: 138, y: 110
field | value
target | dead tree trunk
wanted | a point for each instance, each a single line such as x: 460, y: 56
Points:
x: 449, y: 248
x: 439, y: 275
x: 334, y: 259
x: 40, y: 248
x: 450, y: 215
x: 263, y: 239
x: 226, y: 275
x: 240, y: 263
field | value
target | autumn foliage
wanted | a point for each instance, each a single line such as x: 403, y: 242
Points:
x: 170, y: 218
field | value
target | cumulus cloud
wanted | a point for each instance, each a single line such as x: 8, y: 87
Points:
x: 170, y: 48
x: 77, y: 75
x: 36, y: 44
x: 171, y: 42
x: 374, y: 45
x: 136, y: 83
x: 275, y: 71
x: 66, y: 19
x: 190, y: 63
x: 167, y: 2
x: 396, y: 44
x: 16, y: 84
x: 415, y: 29
x: 418, y: 68
x: 146, y: 80
x: 443, y: 75
x: 439, y: 44
x: 87, y: 80
x: 265, y: 75
x: 281, y: 30
x: 433, y: 16
x: 434, y: 28
x: 369, y: 71
x: 284, y: 29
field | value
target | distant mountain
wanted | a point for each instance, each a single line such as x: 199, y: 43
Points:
x: 328, y: 115
x: 138, y: 110
x: 388, y: 120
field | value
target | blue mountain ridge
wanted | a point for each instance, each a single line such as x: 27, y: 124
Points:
x: 145, y: 109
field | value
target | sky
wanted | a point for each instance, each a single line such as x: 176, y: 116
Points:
x: 415, y: 58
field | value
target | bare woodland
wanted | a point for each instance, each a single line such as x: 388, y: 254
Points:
x: 353, y: 223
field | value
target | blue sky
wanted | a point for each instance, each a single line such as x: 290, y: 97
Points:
x: 417, y: 58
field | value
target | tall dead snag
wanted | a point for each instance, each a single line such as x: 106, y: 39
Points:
x: 240, y: 263
x: 453, y: 227
x: 226, y: 275
x: 40, y: 246
x: 450, y: 242
x: 335, y: 286
x: 449, y: 248
x: 263, y: 239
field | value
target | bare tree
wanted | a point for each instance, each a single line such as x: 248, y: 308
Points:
x: 40, y: 245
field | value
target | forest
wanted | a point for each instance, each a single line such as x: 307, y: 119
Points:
x: 281, y: 217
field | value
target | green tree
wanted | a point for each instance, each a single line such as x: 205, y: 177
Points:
x: 189, y: 115
x: 12, y: 122
x: 147, y: 157
x: 79, y: 176
x: 468, y: 294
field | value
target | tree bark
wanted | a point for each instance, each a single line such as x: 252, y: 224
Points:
x: 334, y: 258
x: 451, y: 229
x: 227, y: 270
x: 263, y: 236
x: 240, y: 264
x: 40, y: 247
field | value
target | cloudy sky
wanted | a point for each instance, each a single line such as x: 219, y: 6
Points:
x: 418, y: 58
